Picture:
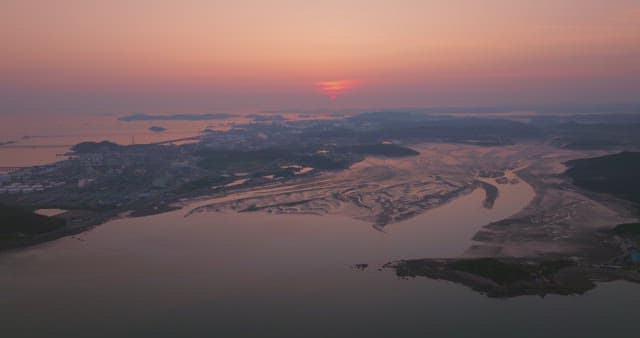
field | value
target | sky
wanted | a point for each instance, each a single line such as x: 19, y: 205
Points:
x: 227, y: 56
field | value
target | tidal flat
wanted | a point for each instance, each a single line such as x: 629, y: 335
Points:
x: 177, y: 273
x: 501, y: 193
x: 552, y: 220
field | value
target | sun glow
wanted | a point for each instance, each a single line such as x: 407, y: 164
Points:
x: 257, y: 54
x: 335, y: 88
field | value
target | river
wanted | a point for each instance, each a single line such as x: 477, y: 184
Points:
x: 257, y: 275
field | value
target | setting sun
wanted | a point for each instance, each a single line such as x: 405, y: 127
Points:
x: 334, y: 168
x: 333, y: 89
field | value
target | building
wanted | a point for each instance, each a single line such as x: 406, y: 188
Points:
x: 4, y: 178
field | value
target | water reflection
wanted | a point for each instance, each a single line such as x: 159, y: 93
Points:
x: 253, y: 275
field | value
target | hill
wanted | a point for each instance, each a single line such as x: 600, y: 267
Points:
x: 17, y: 222
x: 612, y: 174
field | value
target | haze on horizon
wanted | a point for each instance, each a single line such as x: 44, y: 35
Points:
x: 163, y: 55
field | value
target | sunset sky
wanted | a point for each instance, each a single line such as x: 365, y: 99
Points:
x: 207, y: 56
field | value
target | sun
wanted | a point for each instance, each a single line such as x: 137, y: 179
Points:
x: 334, y: 88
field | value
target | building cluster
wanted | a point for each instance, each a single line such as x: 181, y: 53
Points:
x: 16, y: 187
x: 83, y: 170
x: 29, y: 180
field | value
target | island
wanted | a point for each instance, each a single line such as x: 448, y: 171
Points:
x: 157, y: 129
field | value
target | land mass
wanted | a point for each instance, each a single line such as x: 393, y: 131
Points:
x: 157, y: 129
x: 103, y: 180
x: 600, y: 250
x: 381, y: 168
x: 511, y: 277
x: 175, y: 117
x: 615, y: 174
x: 17, y: 223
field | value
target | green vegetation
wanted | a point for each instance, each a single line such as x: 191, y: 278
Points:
x: 504, y: 273
x: 268, y: 161
x: 203, y: 183
x: 499, y: 272
x: 491, y: 194
x: 632, y: 229
x: 157, y: 129
x: 325, y: 162
x: 15, y: 222
x: 510, y: 277
x: 231, y: 160
x: 272, y: 158
x: 389, y: 150
x: 429, y: 128
x: 95, y: 147
x: 596, y: 135
x: 613, y: 174
x: 252, y: 207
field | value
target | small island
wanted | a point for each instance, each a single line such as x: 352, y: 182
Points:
x: 157, y: 129
x: 502, y: 277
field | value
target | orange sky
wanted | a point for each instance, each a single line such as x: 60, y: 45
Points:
x: 262, y: 54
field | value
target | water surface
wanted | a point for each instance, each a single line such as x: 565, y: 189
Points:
x: 257, y: 275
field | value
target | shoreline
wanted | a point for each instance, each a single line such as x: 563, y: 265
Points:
x: 84, y: 220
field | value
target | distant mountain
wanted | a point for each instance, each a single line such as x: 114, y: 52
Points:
x: 265, y: 118
x: 175, y: 117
